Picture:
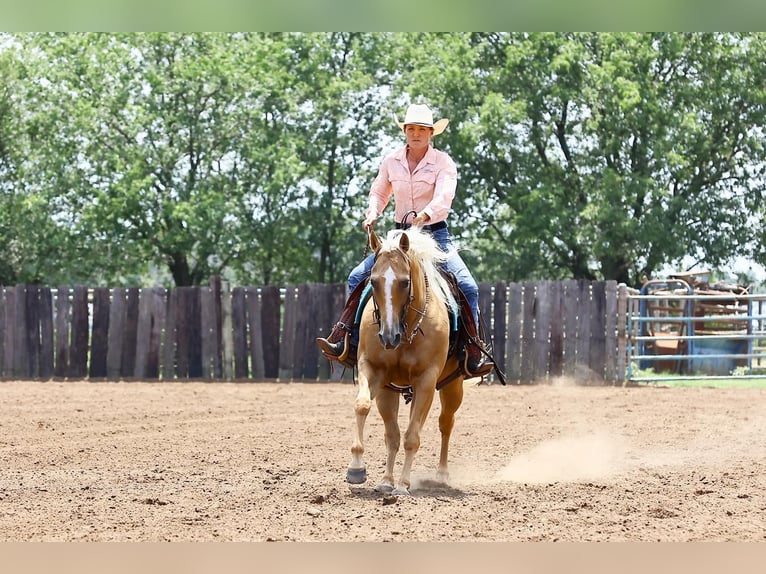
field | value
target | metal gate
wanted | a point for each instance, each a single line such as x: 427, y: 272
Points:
x: 677, y: 331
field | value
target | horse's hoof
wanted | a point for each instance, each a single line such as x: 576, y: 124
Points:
x: 356, y: 475
x: 385, y: 487
x: 400, y: 492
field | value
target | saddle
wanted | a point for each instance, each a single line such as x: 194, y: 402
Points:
x: 463, y: 331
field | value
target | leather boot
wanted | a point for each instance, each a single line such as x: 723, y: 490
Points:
x: 337, y: 346
x: 477, y: 364
x: 331, y: 349
x: 342, y: 351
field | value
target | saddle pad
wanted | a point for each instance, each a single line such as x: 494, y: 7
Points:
x: 367, y: 293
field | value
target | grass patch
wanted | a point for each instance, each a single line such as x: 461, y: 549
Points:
x: 740, y: 379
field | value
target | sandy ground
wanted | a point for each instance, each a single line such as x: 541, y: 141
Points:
x: 86, y: 461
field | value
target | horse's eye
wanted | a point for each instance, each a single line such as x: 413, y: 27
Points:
x: 405, y: 283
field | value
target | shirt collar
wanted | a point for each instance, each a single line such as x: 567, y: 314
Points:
x: 430, y: 156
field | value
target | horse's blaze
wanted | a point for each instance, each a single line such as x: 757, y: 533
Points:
x: 390, y: 329
x: 388, y: 296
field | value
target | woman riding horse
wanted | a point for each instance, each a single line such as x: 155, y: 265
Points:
x: 421, y: 179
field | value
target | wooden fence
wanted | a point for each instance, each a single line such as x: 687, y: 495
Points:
x: 540, y: 330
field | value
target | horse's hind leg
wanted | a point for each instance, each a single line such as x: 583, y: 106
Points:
x: 357, y: 472
x: 388, y: 406
x: 451, y: 397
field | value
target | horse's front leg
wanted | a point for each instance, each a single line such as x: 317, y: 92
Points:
x: 388, y: 407
x: 357, y: 472
x: 421, y: 404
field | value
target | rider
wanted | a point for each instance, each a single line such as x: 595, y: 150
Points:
x: 422, y: 179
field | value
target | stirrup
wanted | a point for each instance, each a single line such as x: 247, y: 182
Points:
x: 484, y: 369
x: 343, y: 357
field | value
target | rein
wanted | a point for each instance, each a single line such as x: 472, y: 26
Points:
x: 421, y: 313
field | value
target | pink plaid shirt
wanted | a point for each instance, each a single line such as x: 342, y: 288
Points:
x: 430, y: 188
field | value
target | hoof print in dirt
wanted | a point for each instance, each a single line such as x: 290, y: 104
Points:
x: 389, y: 499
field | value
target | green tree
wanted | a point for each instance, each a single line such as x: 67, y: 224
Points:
x: 344, y: 115
x: 144, y: 158
x: 165, y: 151
x: 600, y: 155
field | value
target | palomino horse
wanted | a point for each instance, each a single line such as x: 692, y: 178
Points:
x: 404, y: 340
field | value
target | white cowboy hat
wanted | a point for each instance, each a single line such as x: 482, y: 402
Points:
x: 421, y: 114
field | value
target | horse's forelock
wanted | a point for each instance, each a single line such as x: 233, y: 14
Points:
x: 428, y: 253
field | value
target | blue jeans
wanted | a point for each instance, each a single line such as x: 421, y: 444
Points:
x: 454, y: 265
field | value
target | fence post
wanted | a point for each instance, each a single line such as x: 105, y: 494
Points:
x: 227, y: 341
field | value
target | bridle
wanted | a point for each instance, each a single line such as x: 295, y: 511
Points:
x: 421, y: 313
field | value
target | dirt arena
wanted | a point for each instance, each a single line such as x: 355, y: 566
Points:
x: 266, y: 462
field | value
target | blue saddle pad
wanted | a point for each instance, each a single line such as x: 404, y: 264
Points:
x: 367, y: 293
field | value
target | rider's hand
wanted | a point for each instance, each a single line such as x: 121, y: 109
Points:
x: 368, y: 222
x: 421, y: 219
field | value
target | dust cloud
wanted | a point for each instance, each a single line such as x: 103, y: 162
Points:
x: 590, y: 456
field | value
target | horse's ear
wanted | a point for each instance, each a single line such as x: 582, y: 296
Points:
x: 373, y: 241
x: 404, y: 242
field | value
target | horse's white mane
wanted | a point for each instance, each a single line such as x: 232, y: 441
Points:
x: 429, y: 254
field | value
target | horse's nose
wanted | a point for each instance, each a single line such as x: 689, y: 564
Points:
x: 390, y: 340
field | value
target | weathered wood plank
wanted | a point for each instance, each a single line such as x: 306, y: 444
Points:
x: 582, y: 370
x: 323, y: 326
x: 159, y: 310
x: 32, y: 331
x: 46, y: 334
x: 300, y: 330
x: 255, y: 332
x: 270, y: 323
x: 542, y: 331
x: 610, y: 328
x: 528, y: 334
x: 216, y: 285
x: 499, y: 324
x: 513, y: 340
x: 128, y: 365
x: 182, y: 296
x: 287, y: 349
x: 556, y: 359
x: 227, y: 341
x: 571, y: 305
x: 195, y: 333
x: 597, y: 355
x: 316, y: 300
x: 239, y: 332
x: 622, y: 333
x: 208, y: 316
x: 78, y: 358
x: 21, y: 343
x: 143, y: 333
x: 168, y: 367
x: 63, y: 322
x: 116, y: 333
x: 100, y: 346
x: 3, y: 332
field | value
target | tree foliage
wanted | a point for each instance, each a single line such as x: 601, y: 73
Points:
x: 142, y: 158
